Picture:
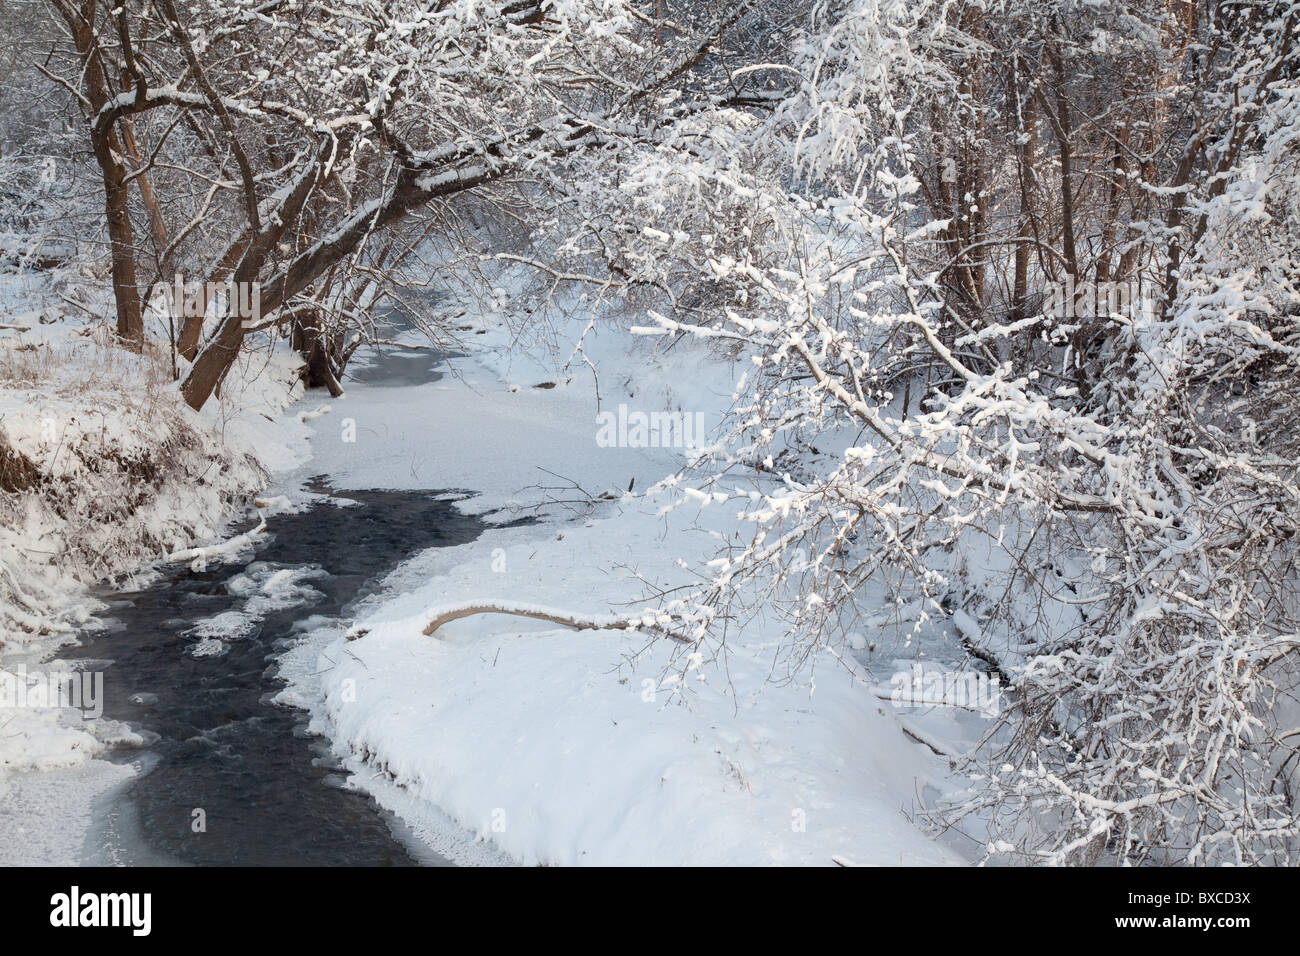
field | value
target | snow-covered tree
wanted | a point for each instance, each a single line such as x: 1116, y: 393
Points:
x: 308, y: 148
x: 1104, y: 496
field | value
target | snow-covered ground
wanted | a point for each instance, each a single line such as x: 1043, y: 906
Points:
x: 570, y: 747
x: 592, y: 747
x: 548, y: 745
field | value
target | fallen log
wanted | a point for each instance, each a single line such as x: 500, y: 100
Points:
x: 578, y: 622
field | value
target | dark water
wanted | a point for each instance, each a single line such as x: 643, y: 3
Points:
x: 391, y: 367
x: 268, y: 790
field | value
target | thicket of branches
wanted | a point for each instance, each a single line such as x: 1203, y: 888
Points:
x: 1111, y: 492
x: 311, y: 149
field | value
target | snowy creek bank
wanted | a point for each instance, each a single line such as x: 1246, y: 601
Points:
x: 257, y: 732
x: 103, y: 472
x: 232, y: 778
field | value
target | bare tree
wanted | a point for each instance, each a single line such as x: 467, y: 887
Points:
x: 1087, y: 483
x: 301, y: 134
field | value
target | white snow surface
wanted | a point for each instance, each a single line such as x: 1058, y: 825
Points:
x: 502, y: 739
x: 566, y: 747
x: 596, y: 747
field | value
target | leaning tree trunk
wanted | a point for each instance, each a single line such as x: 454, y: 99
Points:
x: 130, y: 319
x: 320, y: 351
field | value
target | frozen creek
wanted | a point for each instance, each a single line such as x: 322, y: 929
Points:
x: 230, y: 777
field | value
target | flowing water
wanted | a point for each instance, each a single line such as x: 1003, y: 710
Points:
x: 229, y: 776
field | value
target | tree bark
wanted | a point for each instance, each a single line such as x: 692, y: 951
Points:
x: 109, y: 152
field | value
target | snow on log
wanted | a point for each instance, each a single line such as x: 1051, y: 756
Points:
x: 234, y: 545
x: 650, y: 621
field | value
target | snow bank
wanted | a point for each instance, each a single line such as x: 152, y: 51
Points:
x: 568, y: 747
x: 559, y: 746
x: 103, y: 471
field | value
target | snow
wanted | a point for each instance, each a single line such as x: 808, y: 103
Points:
x: 593, y: 747
x: 208, y: 647
x: 47, y: 815
x: 470, y: 430
x: 605, y: 764
x: 501, y: 739
x: 226, y: 626
x: 273, y: 589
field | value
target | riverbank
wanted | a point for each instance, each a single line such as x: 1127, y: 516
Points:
x: 103, y: 471
x: 504, y: 740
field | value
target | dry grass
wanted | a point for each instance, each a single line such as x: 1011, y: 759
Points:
x: 125, y: 474
x: 97, y: 360
x: 17, y: 473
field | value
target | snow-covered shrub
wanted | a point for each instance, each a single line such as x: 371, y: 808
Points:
x: 1110, y: 502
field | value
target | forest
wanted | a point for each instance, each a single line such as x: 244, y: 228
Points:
x: 991, y: 308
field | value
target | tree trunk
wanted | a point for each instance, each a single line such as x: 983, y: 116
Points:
x: 320, y: 351
x: 109, y: 155
x: 130, y: 319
